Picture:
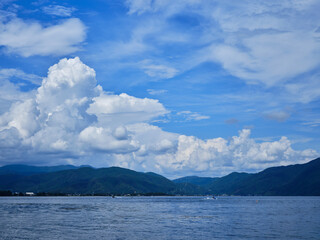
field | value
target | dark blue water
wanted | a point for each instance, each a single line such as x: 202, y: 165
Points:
x: 159, y: 218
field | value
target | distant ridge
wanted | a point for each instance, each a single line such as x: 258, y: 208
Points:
x: 30, y: 170
x: 299, y: 179
x: 293, y: 180
x: 200, y: 181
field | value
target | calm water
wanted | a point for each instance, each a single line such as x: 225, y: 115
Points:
x: 159, y: 218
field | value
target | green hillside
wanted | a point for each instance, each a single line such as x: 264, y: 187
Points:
x: 299, y: 179
x: 87, y: 180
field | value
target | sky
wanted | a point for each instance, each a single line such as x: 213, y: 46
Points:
x: 185, y: 87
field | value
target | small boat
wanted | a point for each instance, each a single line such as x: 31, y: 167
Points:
x: 211, y: 198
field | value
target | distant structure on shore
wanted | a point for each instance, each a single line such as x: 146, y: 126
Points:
x: 30, y: 194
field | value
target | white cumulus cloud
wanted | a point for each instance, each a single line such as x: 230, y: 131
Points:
x: 102, y: 139
x: 219, y: 156
x: 123, y: 109
x: 71, y: 119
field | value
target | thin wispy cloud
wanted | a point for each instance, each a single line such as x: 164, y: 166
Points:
x: 31, y: 38
x: 7, y: 73
x: 156, y: 91
x: 58, y: 10
x: 190, y: 116
x: 158, y: 71
x: 279, y: 116
x: 252, y: 40
x: 231, y: 121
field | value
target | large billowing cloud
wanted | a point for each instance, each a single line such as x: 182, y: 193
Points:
x: 31, y: 38
x: 219, y: 155
x: 71, y: 119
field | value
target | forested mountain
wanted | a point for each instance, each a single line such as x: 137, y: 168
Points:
x: 87, y: 180
x: 299, y: 179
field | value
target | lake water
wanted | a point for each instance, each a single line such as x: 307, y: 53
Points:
x: 159, y: 218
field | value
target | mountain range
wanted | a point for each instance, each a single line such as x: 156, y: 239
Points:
x: 293, y: 180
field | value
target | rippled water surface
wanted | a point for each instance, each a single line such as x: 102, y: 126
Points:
x: 159, y: 218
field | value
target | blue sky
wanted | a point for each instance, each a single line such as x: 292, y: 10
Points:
x: 179, y: 88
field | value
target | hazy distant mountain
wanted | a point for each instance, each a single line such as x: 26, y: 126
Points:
x: 300, y: 179
x: 30, y: 170
x: 200, y: 181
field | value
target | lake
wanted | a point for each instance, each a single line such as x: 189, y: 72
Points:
x: 159, y: 218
